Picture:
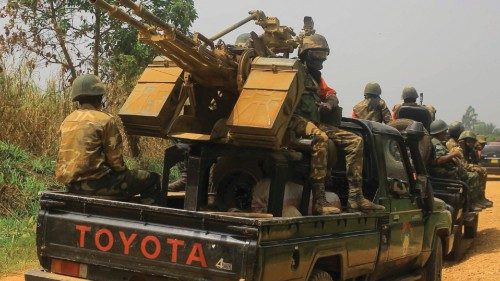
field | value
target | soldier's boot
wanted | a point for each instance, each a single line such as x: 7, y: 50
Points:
x: 475, y: 205
x: 357, y: 202
x: 484, y: 201
x: 320, y: 205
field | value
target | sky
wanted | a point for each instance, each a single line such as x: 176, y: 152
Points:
x: 449, y: 50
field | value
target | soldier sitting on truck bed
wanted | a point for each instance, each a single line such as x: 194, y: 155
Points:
x: 409, y: 97
x: 306, y: 122
x: 446, y: 164
x: 90, y: 158
x: 372, y: 108
x: 467, y: 142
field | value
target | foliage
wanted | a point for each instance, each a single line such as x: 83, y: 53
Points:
x: 17, y: 244
x: 469, y: 119
x: 81, y: 38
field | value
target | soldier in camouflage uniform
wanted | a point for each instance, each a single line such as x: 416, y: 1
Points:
x: 446, y: 164
x: 467, y: 142
x: 90, y: 158
x: 316, y: 98
x: 409, y: 97
x: 372, y: 108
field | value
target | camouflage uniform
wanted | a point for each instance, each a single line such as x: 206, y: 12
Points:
x: 90, y: 159
x: 380, y: 114
x: 456, y: 170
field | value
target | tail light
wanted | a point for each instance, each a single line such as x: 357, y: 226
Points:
x: 69, y: 268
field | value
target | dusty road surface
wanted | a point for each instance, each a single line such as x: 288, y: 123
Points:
x: 481, y: 261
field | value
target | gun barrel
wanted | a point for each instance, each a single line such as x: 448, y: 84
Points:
x: 252, y: 16
x: 119, y: 14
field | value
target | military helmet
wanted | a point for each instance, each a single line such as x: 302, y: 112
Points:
x: 373, y: 88
x: 481, y: 139
x: 86, y: 85
x: 438, y: 126
x: 409, y: 93
x: 455, y: 129
x: 314, y: 41
x: 467, y: 135
x: 243, y: 41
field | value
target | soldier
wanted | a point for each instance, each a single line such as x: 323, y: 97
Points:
x: 372, y: 107
x: 316, y: 98
x: 409, y: 97
x: 467, y: 142
x: 454, y: 131
x: 90, y: 158
x: 480, y: 144
x: 444, y: 163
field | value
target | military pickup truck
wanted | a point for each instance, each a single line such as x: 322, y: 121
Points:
x: 103, y: 239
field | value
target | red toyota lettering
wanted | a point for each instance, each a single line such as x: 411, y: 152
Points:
x: 83, y: 229
x: 97, y: 239
x: 145, y: 252
x: 127, y: 241
x: 197, y: 255
x: 175, y: 244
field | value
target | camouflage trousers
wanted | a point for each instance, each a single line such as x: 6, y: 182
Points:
x: 126, y: 184
x: 352, y: 145
x: 303, y: 128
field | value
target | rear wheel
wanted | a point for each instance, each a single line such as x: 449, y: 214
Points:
x: 434, y: 266
x: 320, y: 275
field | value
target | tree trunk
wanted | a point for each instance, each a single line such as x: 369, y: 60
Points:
x: 97, y: 40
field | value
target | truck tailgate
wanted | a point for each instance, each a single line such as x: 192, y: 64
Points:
x: 150, y: 240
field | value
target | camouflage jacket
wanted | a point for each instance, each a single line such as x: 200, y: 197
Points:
x: 91, y: 146
x: 313, y: 94
x: 447, y: 170
x: 380, y: 114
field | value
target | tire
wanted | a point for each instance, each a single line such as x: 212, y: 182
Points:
x: 425, y: 145
x: 434, y: 267
x: 320, y: 275
x: 456, y: 254
x: 232, y: 180
x: 471, y: 231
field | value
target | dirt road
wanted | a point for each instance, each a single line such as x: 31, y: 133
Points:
x: 481, y: 261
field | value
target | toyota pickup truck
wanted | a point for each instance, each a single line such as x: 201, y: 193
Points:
x: 82, y: 237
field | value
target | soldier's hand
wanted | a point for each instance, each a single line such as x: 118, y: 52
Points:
x: 325, y: 107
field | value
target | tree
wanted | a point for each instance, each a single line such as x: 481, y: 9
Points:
x: 469, y: 119
x: 82, y: 38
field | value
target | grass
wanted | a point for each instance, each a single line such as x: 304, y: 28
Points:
x: 17, y: 245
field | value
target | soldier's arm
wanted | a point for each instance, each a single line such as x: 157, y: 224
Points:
x: 447, y: 158
x: 113, y: 146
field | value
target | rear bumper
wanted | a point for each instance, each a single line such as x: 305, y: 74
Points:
x: 42, y: 275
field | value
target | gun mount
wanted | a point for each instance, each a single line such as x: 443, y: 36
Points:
x: 245, y: 96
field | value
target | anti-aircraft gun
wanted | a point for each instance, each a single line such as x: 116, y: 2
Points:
x: 223, y: 90
x: 222, y: 101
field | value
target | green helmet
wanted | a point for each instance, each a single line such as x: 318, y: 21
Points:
x: 438, y: 126
x: 409, y: 93
x: 373, y: 88
x: 455, y: 129
x: 467, y: 135
x: 86, y: 85
x: 481, y: 139
x: 243, y: 41
x: 314, y: 41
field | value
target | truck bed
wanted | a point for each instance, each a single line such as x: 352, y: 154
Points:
x: 121, y: 239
